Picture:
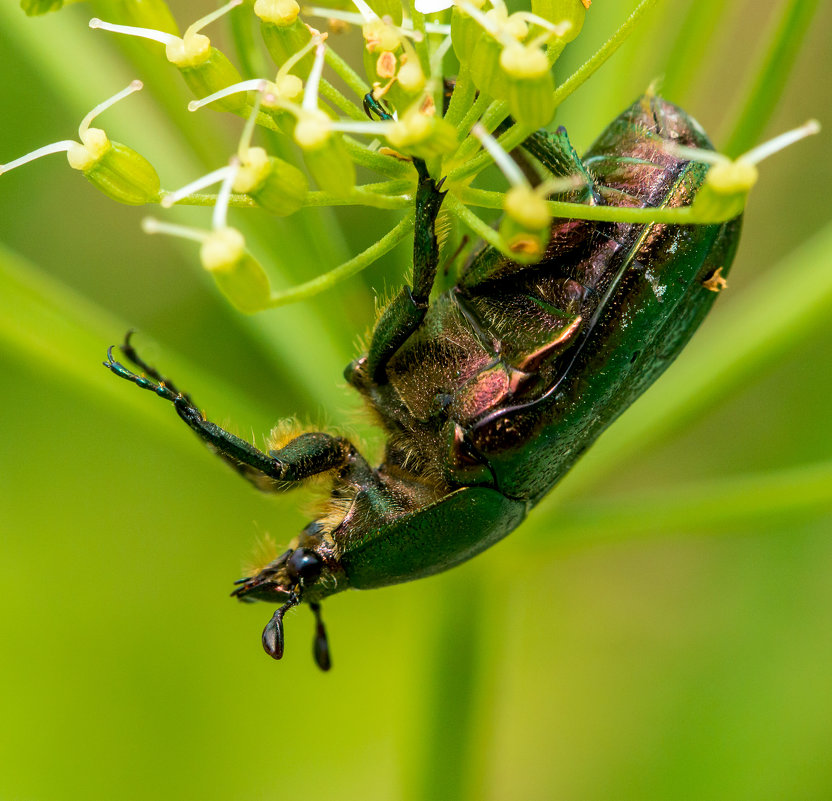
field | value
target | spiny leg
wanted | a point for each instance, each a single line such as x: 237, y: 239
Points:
x: 304, y: 456
x: 132, y: 356
x: 320, y: 648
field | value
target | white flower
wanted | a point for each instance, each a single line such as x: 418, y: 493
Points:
x: 432, y: 6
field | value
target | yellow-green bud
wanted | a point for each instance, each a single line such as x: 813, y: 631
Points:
x: 725, y: 191
x: 380, y: 35
x: 525, y: 63
x: 532, y: 100
x: 422, y: 135
x: 313, y: 130
x: 331, y: 166
x: 237, y: 274
x: 115, y: 169
x: 526, y: 246
x: 558, y: 11
x: 277, y: 186
x: 485, y: 67
x: 213, y: 73
x: 277, y: 12
x: 124, y: 175
x: 527, y: 207
x: 410, y: 76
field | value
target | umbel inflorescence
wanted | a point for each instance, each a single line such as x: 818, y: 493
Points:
x: 404, y: 109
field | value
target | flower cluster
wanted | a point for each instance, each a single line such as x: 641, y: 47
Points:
x: 403, y: 109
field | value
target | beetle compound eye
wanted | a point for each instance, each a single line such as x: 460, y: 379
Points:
x: 304, y: 566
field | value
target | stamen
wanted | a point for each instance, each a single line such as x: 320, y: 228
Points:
x: 46, y: 150
x: 253, y: 84
x: 357, y: 19
x: 248, y: 128
x: 218, y: 219
x: 208, y: 18
x: 144, y: 33
x: 763, y: 151
x: 134, y: 86
x: 195, y: 186
x: 310, y: 94
x: 310, y: 45
x: 367, y: 13
x: 150, y: 225
x: 503, y: 160
x: 438, y: 55
x: 371, y: 127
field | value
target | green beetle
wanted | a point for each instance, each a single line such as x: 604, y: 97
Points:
x: 492, y: 391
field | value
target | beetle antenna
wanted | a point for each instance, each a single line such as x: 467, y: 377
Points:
x: 273, y: 633
x: 320, y: 646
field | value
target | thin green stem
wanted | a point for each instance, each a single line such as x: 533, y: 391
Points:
x: 508, y: 141
x: 359, y: 197
x: 207, y: 199
x: 348, y: 268
x: 462, y: 97
x: 475, y: 224
x: 346, y: 73
x: 331, y: 94
x: 251, y: 60
x: 386, y: 165
x: 770, y: 77
x: 490, y: 119
x: 475, y: 111
x: 684, y: 215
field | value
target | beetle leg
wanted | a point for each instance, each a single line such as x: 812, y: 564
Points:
x: 407, y: 310
x: 320, y: 647
x: 273, y: 633
x: 302, y: 457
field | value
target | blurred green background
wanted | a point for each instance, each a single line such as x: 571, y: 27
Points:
x: 658, y: 629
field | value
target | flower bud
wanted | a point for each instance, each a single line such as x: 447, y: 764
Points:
x: 530, y: 86
x: 209, y: 76
x: 283, y: 32
x: 239, y: 276
x: 724, y: 193
x: 276, y: 186
x: 122, y: 174
x: 558, y: 11
x: 465, y: 32
x: 422, y: 135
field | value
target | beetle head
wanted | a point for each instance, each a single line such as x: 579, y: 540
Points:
x: 284, y: 581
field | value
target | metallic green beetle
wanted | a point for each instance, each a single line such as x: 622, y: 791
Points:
x: 490, y: 393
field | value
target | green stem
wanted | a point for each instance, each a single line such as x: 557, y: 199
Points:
x: 386, y: 165
x: 359, y: 197
x: 346, y: 73
x: 770, y: 78
x: 348, y: 268
x: 475, y: 224
x: 475, y: 111
x: 206, y: 199
x: 684, y: 215
x: 490, y: 119
x: 462, y: 97
x: 330, y: 93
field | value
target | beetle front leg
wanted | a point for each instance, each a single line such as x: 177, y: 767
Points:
x: 304, y: 456
x: 404, y: 315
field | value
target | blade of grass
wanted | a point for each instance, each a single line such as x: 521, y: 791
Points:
x: 770, y: 78
x: 691, y: 47
x: 58, y: 331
